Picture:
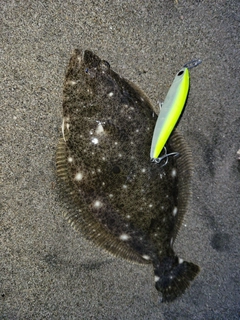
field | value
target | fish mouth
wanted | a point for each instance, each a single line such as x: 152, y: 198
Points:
x: 75, y: 65
x: 78, y: 56
x: 84, y: 58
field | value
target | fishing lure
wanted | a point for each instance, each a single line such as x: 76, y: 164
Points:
x: 170, y: 111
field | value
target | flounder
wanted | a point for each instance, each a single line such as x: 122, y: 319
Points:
x: 121, y: 201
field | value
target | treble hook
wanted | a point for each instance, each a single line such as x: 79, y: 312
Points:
x: 164, y: 157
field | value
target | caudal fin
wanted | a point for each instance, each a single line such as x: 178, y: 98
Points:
x: 173, y: 276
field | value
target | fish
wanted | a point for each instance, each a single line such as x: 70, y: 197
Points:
x: 120, y: 200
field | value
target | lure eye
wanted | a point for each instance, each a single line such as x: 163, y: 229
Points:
x: 86, y: 70
x: 180, y: 73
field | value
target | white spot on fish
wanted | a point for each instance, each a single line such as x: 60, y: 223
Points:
x: 180, y: 260
x: 146, y: 257
x: 175, y: 210
x: 143, y: 170
x: 110, y: 94
x: 70, y: 159
x: 110, y: 195
x: 174, y: 173
x: 124, y: 186
x: 156, y: 278
x: 78, y: 176
x: 97, y: 204
x: 124, y: 237
x: 65, y: 121
x: 72, y: 83
x: 95, y: 141
x: 150, y: 205
x: 128, y: 216
x: 99, y: 129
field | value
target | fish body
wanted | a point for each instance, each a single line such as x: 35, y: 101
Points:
x: 170, y: 112
x: 119, y: 199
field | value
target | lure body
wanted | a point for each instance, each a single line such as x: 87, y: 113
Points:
x: 170, y: 112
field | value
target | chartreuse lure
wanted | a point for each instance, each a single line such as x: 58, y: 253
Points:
x: 170, y: 111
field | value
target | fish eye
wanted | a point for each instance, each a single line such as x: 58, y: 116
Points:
x: 105, y: 65
x: 180, y: 73
x: 116, y: 169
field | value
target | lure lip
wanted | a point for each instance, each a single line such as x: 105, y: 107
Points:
x: 193, y: 63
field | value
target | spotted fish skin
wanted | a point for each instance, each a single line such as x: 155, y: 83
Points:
x: 119, y: 199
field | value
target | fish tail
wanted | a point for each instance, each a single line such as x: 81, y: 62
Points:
x: 173, y: 276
